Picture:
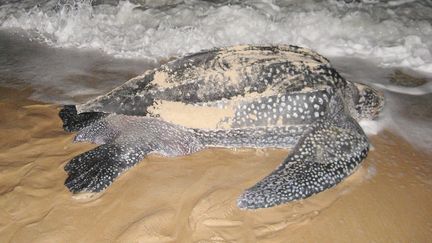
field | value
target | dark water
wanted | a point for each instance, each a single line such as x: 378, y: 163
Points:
x: 61, y: 75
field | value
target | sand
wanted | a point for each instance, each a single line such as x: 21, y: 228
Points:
x: 193, y: 198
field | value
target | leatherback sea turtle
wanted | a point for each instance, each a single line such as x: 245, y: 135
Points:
x: 241, y: 96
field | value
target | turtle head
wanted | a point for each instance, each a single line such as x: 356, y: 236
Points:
x: 368, y: 102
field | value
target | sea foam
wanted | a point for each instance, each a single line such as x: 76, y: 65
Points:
x: 393, y: 33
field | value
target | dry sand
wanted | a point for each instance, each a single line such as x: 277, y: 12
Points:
x: 193, y: 198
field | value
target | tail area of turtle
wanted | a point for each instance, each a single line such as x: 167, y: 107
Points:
x: 72, y: 121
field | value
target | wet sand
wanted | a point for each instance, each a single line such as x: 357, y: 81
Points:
x: 193, y: 198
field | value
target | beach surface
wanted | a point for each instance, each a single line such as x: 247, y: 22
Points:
x: 193, y: 198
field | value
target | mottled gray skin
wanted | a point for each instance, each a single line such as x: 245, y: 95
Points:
x: 283, y: 96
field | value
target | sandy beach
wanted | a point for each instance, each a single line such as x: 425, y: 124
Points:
x: 193, y: 198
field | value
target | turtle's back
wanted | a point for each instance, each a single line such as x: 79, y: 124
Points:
x: 231, y: 71
x: 238, y: 86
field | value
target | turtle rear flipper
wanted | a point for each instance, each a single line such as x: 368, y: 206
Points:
x: 325, y: 155
x: 72, y: 121
x: 95, y: 170
x: 125, y: 141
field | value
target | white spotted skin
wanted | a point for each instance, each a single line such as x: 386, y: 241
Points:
x: 153, y: 134
x: 328, y: 152
x: 280, y: 96
x: 275, y: 111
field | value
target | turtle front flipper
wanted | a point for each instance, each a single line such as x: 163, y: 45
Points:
x: 327, y: 153
x: 95, y: 170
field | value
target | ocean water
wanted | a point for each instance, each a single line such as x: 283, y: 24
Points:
x: 69, y: 51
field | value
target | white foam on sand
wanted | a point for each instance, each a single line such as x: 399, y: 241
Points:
x: 371, y: 127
